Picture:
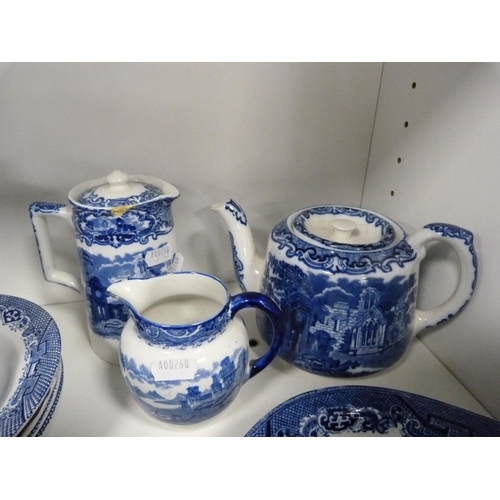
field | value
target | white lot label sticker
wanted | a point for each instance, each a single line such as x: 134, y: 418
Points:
x: 159, y: 255
x: 173, y: 369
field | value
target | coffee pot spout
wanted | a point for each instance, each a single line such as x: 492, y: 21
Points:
x: 248, y: 263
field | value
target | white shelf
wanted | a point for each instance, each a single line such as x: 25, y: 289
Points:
x: 95, y: 401
x: 276, y: 138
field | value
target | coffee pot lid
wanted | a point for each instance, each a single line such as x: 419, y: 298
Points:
x: 119, y: 189
x: 346, y: 228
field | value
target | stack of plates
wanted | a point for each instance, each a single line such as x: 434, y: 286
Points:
x: 31, y: 368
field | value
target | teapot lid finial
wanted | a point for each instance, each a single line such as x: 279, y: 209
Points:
x: 117, y: 178
x: 343, y: 230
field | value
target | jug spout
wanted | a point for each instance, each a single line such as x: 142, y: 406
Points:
x: 248, y: 263
x: 134, y: 293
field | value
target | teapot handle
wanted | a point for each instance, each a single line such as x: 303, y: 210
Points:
x: 462, y: 241
x: 267, y: 305
x: 38, y: 212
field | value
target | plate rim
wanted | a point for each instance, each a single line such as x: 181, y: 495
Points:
x: 40, y: 367
x: 44, y: 412
x: 365, y: 388
x: 46, y: 417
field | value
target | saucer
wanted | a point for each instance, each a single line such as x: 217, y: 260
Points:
x: 30, y: 355
x: 370, y: 411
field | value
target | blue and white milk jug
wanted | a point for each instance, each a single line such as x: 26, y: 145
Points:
x: 124, y: 229
x: 184, y: 352
x: 346, y: 282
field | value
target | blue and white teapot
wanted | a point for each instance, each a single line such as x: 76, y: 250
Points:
x: 346, y: 282
x: 124, y: 228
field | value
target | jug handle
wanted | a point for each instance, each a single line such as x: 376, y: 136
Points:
x: 38, y: 212
x: 462, y: 240
x: 268, y: 306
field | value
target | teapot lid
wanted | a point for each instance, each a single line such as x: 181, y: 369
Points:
x: 346, y: 228
x: 120, y: 189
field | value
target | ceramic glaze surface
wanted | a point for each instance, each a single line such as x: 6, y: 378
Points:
x: 183, y: 353
x: 94, y: 197
x: 34, y: 356
x: 210, y: 388
x: 365, y: 229
x: 341, y: 259
x: 370, y: 411
x: 175, y: 311
x: 39, y: 422
x: 341, y: 326
x: 124, y: 228
x: 346, y: 281
x: 46, y: 416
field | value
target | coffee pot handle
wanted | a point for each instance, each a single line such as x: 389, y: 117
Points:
x: 462, y: 241
x: 38, y: 212
x: 268, y: 306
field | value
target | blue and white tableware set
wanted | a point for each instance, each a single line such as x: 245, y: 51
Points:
x: 335, y: 293
x: 180, y: 369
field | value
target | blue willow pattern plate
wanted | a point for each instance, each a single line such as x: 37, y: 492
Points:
x: 30, y: 355
x: 37, y: 424
x: 370, y: 411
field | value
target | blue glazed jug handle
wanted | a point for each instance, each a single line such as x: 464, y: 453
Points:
x: 267, y: 305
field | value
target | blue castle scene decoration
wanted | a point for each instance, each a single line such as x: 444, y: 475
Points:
x: 342, y: 326
x: 107, y: 316
x: 187, y: 401
x: 147, y: 224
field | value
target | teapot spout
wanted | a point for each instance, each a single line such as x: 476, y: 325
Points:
x: 248, y: 263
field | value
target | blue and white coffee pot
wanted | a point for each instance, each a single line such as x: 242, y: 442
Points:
x: 124, y: 228
x: 346, y: 282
